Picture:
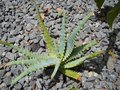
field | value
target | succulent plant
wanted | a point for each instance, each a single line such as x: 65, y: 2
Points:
x: 63, y: 56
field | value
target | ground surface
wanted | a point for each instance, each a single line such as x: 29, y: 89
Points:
x: 18, y: 25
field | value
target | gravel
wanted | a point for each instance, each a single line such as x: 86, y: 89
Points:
x: 18, y: 25
x: 2, y: 72
x: 10, y: 55
x: 29, y: 27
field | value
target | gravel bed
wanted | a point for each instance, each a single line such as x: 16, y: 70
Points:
x: 18, y: 25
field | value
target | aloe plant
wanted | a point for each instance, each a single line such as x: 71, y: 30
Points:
x: 63, y: 56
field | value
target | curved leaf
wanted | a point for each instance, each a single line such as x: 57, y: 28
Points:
x: 34, y: 67
x: 48, y: 39
x: 29, y: 61
x: 62, y: 37
x: 99, y: 3
x: 72, y: 36
x: 21, y: 62
x: 81, y: 49
x: 79, y: 61
x: 25, y: 52
x: 112, y: 14
x: 57, y: 64
x: 20, y: 50
x: 71, y: 74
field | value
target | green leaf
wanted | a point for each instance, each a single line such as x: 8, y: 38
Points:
x: 72, y: 36
x: 80, y: 61
x: 48, y: 39
x: 71, y: 74
x: 31, y: 61
x: 112, y: 14
x: 81, y: 49
x: 62, y: 37
x: 25, y: 52
x: 34, y: 67
x: 99, y: 3
x: 57, y: 64
x: 20, y: 50
x: 21, y: 62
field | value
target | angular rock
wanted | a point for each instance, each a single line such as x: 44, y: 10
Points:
x: 11, y: 56
x: 32, y: 35
x: 2, y: 72
x: 29, y: 27
x: 7, y: 80
x: 18, y: 86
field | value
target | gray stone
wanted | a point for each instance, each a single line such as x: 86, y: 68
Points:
x: 118, y: 87
x: 19, y: 28
x: 54, y: 15
x: 17, y: 20
x: 3, y: 24
x: 48, y: 6
x: 38, y: 84
x: 102, y: 84
x: 42, y: 42
x: 19, y: 38
x: 39, y: 1
x: 118, y: 61
x: 87, y: 29
x: 34, y: 22
x: 7, y: 80
x: 7, y: 25
x: 118, y: 35
x: 22, y: 80
x: 11, y: 56
x: 82, y: 35
x: 112, y: 77
x: 29, y: 27
x: 27, y: 88
x: 50, y: 23
x: 78, y: 16
x: 13, y: 32
x: 4, y: 37
x: 35, y: 40
x: 110, y: 63
x: 3, y: 86
x: 90, y: 79
x: 59, y: 85
x: 40, y: 50
x: 27, y: 37
x: 11, y: 40
x: 57, y: 27
x: 32, y: 35
x: 18, y: 86
x: 2, y: 49
x: 88, y: 85
x: 110, y: 86
x: 117, y: 68
x: 2, y: 72
x: 97, y: 86
x: 104, y: 75
x: 98, y: 35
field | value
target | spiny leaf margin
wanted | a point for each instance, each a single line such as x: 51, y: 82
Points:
x: 62, y: 37
x: 79, y: 61
x: 72, y: 36
x: 48, y: 39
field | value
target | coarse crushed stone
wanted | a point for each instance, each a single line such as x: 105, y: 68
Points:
x: 18, y: 25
